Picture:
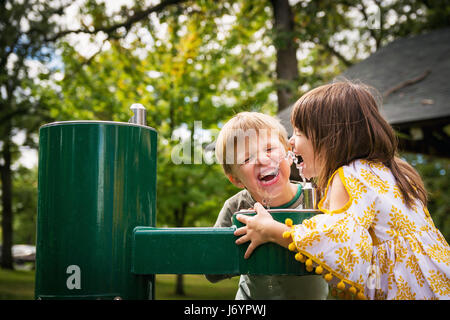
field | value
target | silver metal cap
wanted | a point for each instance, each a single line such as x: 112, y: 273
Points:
x: 140, y: 114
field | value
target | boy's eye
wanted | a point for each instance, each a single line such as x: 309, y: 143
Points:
x: 247, y: 159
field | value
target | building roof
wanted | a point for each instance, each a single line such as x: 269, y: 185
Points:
x: 412, y: 74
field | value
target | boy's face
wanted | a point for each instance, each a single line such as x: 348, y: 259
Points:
x: 262, y: 167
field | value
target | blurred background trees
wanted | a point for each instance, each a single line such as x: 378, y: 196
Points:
x: 185, y: 61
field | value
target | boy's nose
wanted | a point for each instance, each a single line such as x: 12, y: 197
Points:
x: 263, y: 158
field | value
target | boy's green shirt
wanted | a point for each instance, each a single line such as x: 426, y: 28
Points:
x: 268, y: 286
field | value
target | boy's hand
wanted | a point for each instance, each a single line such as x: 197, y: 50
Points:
x: 259, y: 229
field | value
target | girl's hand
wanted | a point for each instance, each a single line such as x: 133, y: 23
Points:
x: 259, y: 229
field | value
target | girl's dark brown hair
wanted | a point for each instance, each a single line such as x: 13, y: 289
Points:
x: 343, y: 123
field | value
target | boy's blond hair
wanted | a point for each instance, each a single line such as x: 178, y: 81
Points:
x: 239, y: 126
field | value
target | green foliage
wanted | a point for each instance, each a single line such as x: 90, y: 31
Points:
x: 25, y: 205
x: 435, y: 174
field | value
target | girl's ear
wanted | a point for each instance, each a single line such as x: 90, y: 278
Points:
x: 235, y: 180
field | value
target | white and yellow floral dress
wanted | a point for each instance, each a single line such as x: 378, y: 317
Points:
x: 375, y: 247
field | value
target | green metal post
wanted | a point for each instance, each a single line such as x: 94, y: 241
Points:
x: 97, y: 182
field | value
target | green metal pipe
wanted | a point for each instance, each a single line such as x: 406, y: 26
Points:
x: 212, y: 250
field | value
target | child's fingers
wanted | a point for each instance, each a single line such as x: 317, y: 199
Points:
x: 250, y: 249
x: 240, y: 231
x: 242, y: 239
x: 242, y: 218
x: 259, y: 207
x: 260, y: 210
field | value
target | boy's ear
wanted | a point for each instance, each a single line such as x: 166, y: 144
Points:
x: 235, y: 181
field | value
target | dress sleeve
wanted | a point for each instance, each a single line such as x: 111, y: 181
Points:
x: 337, y: 243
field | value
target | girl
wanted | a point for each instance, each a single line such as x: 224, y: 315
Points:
x: 376, y: 238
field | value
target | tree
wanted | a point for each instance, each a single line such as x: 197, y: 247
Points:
x: 286, y: 49
x: 22, y: 46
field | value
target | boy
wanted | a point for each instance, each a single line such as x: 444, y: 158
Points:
x: 252, y: 149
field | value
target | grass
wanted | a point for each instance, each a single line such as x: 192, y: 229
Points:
x: 196, y: 287
x: 16, y: 285
x: 19, y: 285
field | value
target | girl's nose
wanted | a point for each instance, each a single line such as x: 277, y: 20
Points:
x: 291, y: 140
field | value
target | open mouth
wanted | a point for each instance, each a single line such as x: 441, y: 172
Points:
x: 298, y: 159
x: 269, y: 175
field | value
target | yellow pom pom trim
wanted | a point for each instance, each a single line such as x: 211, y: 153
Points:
x: 361, y: 296
x: 309, y: 263
x: 289, y: 222
x: 319, y: 270
x: 345, y: 288
x: 300, y: 257
x: 292, y: 246
x: 352, y: 290
x: 286, y: 234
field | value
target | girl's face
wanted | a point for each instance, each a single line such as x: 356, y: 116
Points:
x: 302, y: 146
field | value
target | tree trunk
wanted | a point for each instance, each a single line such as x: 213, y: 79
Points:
x: 180, y: 215
x: 6, y: 176
x: 287, y: 64
x: 179, y: 288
